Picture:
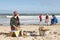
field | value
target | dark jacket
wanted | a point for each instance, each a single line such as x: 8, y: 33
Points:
x: 13, y: 21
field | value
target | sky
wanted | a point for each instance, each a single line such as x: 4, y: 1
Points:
x: 30, y: 6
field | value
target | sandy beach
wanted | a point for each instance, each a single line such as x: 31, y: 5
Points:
x: 52, y: 34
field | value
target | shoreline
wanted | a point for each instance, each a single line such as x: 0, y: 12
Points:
x: 31, y: 24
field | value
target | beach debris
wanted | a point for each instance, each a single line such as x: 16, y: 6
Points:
x: 55, y: 32
x: 59, y: 34
x: 32, y: 38
x: 24, y: 34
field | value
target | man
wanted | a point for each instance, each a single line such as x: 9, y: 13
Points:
x: 40, y: 17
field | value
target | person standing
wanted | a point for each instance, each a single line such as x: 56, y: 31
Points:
x: 47, y: 19
x: 40, y: 18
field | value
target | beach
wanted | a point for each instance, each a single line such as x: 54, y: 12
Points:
x: 31, y: 25
x: 52, y: 34
x: 29, y: 20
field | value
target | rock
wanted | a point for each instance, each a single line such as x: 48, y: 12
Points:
x: 54, y: 32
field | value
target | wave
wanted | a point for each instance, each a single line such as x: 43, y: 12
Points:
x: 32, y: 17
x: 26, y: 19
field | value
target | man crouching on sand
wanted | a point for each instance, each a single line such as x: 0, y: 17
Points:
x: 14, y: 22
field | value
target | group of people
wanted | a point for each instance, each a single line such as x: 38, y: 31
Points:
x: 54, y: 19
x: 15, y: 23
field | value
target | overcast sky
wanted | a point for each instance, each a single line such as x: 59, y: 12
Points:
x: 30, y: 6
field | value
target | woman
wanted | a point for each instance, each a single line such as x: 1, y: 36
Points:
x: 47, y: 19
x: 14, y: 22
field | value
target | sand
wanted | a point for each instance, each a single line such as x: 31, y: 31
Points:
x: 52, y: 34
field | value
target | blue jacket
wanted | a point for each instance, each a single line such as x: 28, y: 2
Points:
x: 55, y: 20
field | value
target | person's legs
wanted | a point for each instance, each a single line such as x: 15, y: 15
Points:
x: 47, y: 22
x: 10, y: 34
x: 20, y: 33
x: 52, y: 22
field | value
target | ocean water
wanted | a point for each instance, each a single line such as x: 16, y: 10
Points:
x: 5, y: 20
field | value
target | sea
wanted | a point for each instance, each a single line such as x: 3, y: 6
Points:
x: 25, y: 19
